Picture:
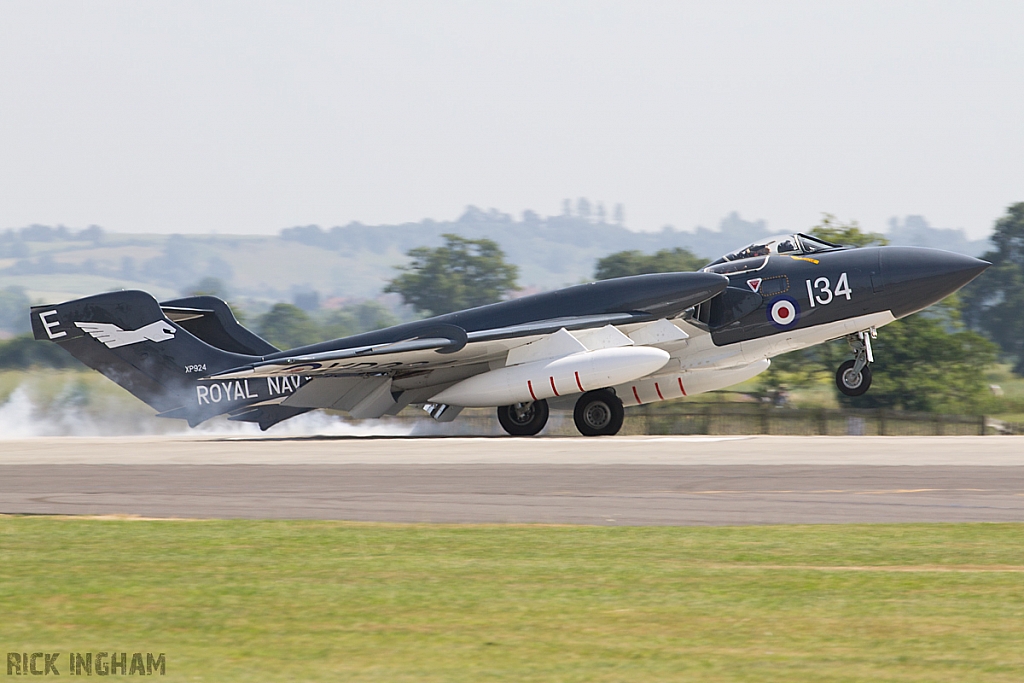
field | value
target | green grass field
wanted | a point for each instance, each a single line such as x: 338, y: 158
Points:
x: 237, y: 600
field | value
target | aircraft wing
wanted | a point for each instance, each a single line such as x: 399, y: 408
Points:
x: 445, y: 345
x: 570, y: 323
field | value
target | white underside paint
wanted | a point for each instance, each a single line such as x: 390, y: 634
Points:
x: 680, y: 384
x: 572, y: 374
x: 615, y: 357
x: 695, y: 364
x: 793, y: 340
x: 703, y: 367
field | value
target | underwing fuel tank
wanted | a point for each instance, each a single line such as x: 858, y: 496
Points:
x: 572, y: 374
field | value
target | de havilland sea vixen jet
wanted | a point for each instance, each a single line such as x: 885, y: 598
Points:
x: 593, y: 348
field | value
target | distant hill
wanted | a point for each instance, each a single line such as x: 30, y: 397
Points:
x: 355, y: 261
x: 914, y: 231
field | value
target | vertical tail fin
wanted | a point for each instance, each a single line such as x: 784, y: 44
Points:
x: 127, y: 337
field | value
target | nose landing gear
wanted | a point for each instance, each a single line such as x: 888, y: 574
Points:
x: 853, y: 377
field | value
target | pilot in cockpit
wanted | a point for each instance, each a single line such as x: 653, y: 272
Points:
x: 755, y: 250
x: 782, y: 244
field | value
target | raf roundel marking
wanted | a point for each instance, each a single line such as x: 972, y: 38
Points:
x: 783, y: 312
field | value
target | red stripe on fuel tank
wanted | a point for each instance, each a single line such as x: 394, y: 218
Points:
x: 658, y: 389
x: 578, y: 383
x: 637, y: 397
x: 529, y: 385
x: 551, y: 377
x: 681, y: 386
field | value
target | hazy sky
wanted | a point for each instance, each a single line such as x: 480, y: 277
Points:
x: 250, y: 117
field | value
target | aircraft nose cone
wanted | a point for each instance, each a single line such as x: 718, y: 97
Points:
x: 916, y: 277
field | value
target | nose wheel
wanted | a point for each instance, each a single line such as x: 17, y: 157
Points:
x: 851, y: 381
x: 853, y: 377
x: 598, y: 413
x: 524, y: 419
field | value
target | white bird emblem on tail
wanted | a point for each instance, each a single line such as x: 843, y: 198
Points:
x: 113, y: 336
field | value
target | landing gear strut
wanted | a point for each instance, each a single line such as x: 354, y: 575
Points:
x: 524, y: 419
x: 598, y: 413
x: 854, y: 376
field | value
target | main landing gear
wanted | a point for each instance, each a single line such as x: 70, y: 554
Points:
x: 524, y: 419
x: 854, y: 376
x: 597, y: 413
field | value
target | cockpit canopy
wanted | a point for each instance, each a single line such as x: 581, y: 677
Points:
x: 780, y: 244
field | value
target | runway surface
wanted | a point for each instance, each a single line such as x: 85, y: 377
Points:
x: 622, y: 480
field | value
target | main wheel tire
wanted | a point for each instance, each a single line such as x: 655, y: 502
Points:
x: 851, y: 383
x: 598, y: 413
x: 524, y: 419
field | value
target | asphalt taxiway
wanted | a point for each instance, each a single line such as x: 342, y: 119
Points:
x: 620, y: 480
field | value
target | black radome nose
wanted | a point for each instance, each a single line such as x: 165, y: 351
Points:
x: 917, y: 277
